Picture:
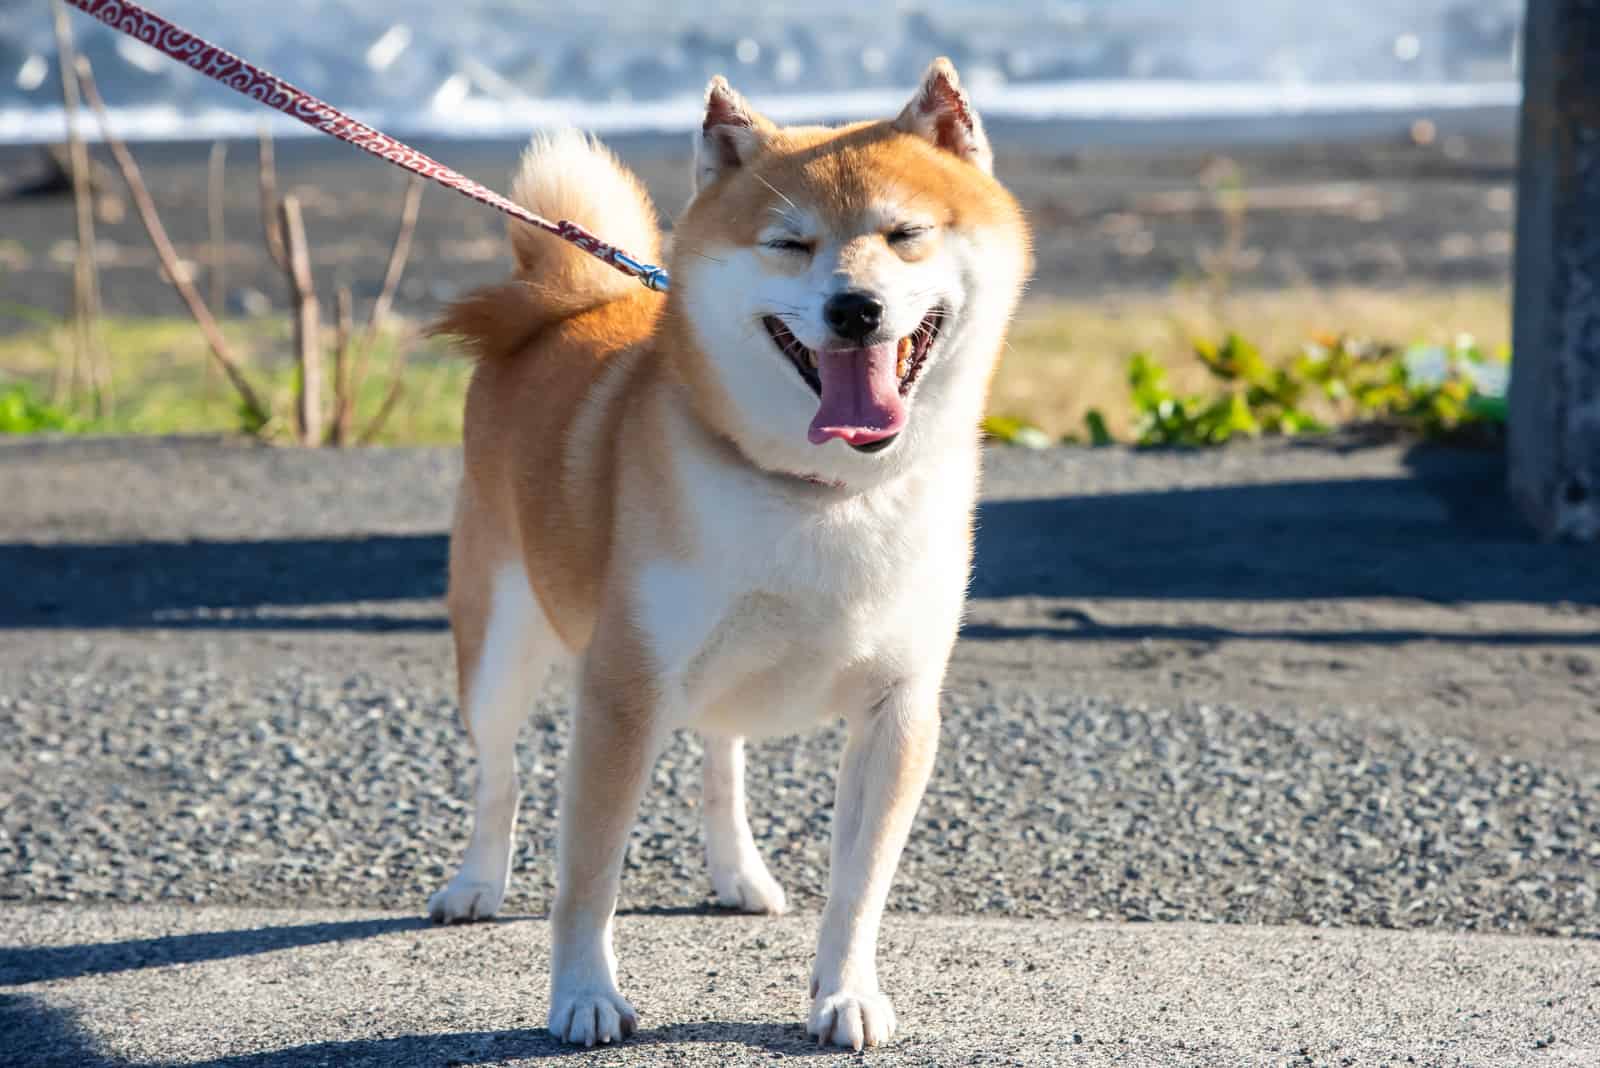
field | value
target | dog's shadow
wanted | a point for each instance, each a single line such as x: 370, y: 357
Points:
x: 34, y: 964
x: 36, y: 1032
x: 42, y: 1035
x: 497, y: 1047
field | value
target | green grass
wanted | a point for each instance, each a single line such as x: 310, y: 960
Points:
x: 1065, y: 371
x: 164, y: 381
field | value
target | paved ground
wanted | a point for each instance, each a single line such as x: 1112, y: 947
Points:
x: 258, y: 988
x: 1305, y: 686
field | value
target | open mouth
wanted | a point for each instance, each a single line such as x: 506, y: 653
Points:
x: 911, y: 352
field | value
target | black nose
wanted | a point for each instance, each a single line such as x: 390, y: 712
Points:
x: 853, y: 315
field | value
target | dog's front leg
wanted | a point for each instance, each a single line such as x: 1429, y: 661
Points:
x: 885, y: 769
x: 615, y: 738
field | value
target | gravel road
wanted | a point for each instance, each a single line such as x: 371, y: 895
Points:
x: 1310, y: 685
x: 1267, y: 685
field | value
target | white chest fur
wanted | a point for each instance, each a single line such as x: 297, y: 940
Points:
x: 798, y: 601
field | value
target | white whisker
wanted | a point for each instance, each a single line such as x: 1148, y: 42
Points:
x: 778, y: 191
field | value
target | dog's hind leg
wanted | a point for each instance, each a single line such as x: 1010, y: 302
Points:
x: 738, y: 876
x: 504, y: 648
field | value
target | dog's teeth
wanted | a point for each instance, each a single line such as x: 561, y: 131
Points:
x: 903, y: 356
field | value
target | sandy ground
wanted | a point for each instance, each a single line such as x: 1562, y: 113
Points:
x: 1373, y: 211
x: 1221, y: 728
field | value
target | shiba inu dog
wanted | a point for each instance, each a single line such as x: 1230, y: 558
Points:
x: 744, y: 507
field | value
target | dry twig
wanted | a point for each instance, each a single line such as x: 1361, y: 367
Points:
x: 307, y: 322
x: 89, y: 357
x: 257, y: 411
x: 399, y: 253
x: 344, y: 401
x: 217, y: 174
x: 267, y: 180
x: 397, y: 388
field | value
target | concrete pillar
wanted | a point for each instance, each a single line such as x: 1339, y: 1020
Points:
x: 1554, y: 432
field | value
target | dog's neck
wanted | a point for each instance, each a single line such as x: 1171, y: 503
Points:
x: 720, y: 438
x: 740, y: 456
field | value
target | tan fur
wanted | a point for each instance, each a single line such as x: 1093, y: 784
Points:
x: 611, y: 750
x: 540, y: 437
x: 592, y: 412
x: 564, y: 175
x: 541, y: 452
x: 849, y: 166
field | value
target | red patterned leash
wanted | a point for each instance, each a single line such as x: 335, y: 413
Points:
x: 277, y: 94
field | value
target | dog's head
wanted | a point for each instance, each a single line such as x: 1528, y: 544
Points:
x: 846, y: 291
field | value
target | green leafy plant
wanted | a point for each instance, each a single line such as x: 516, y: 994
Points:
x: 1431, y: 390
x: 1253, y: 399
x: 1094, y: 421
x: 23, y: 413
x: 1012, y: 431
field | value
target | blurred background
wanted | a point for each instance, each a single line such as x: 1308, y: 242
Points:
x: 495, y: 66
x: 1331, y: 183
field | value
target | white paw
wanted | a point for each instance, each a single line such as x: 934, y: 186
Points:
x: 466, y: 900
x: 586, y: 1017
x: 749, y: 889
x: 852, y: 1018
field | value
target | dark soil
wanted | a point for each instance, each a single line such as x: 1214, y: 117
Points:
x: 1375, y: 211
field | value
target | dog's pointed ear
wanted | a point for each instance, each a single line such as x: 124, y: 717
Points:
x: 941, y: 113
x: 731, y: 135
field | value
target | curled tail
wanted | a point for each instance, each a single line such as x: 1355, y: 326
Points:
x: 565, y: 174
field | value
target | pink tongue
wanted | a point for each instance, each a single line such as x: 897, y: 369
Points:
x: 860, y: 396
